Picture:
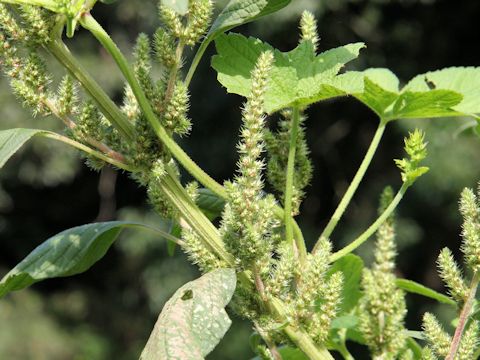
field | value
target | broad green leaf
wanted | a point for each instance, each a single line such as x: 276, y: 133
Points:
x: 194, y: 320
x: 419, y: 289
x: 351, y: 266
x: 296, y: 78
x: 12, y: 140
x: 210, y: 203
x: 179, y: 6
x: 379, y: 90
x: 239, y: 12
x: 289, y: 353
x: 463, y: 80
x: 68, y: 253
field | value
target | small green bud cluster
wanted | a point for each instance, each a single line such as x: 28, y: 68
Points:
x: 451, y: 274
x: 190, y: 29
x: 382, y: 308
x: 277, y: 145
x: 416, y: 149
x: 308, y: 28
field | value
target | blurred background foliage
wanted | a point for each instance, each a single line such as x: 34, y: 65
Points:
x: 108, y: 312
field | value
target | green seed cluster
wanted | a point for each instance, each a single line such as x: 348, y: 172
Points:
x: 382, y: 308
x: 277, y: 144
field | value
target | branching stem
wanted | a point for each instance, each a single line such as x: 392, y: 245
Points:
x: 372, y: 228
x: 342, y: 206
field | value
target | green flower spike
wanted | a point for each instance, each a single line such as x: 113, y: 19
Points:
x: 416, y: 149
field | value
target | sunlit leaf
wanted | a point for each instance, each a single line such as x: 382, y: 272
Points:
x: 194, y: 320
x: 419, y: 289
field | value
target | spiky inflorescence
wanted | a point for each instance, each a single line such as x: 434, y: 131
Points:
x: 277, y: 145
x: 438, y: 340
x: 67, y: 97
x: 308, y: 27
x: 329, y: 297
x: 171, y: 20
x: 198, y: 253
x: 428, y: 354
x: 175, y: 115
x: 248, y: 222
x: 156, y: 195
x: 143, y: 66
x: 199, y: 17
x: 416, y: 149
x: 280, y: 284
x: 452, y: 276
x: 38, y: 24
x: 470, y: 210
x: 10, y: 25
x: 164, y: 45
x: 469, y: 343
x: 382, y: 308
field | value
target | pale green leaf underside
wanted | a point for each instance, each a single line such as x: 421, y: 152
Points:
x: 194, y: 320
x: 12, y: 140
x: 179, y: 6
x: 379, y: 89
x: 238, y: 12
x: 68, y: 253
x: 296, y: 77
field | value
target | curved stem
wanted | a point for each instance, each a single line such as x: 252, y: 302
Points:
x: 196, y: 60
x: 89, y: 23
x: 462, y: 321
x: 60, y: 51
x: 337, y: 215
x: 372, y: 228
x: 86, y: 149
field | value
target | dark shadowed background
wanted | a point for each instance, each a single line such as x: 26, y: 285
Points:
x: 108, y: 312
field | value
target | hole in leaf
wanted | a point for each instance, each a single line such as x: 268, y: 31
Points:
x: 187, y: 295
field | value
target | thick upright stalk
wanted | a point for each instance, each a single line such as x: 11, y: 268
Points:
x: 372, y: 228
x: 289, y: 185
x: 337, y: 215
x: 177, y: 195
x: 462, y: 321
x: 58, y: 49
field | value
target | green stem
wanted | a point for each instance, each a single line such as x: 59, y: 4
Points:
x: 177, y: 195
x: 86, y: 149
x: 374, y: 227
x: 462, y: 321
x: 289, y: 184
x: 337, y: 215
x: 89, y: 23
x: 196, y: 61
x: 58, y: 49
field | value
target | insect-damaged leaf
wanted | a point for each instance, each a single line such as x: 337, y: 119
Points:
x: 194, y: 320
x: 70, y: 252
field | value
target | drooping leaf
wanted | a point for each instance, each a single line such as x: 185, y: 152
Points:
x: 351, y: 266
x: 194, y: 320
x: 239, y: 12
x: 12, y: 140
x: 296, y: 77
x: 179, y: 6
x: 419, y: 289
x: 70, y: 252
x: 463, y: 80
x: 379, y: 90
